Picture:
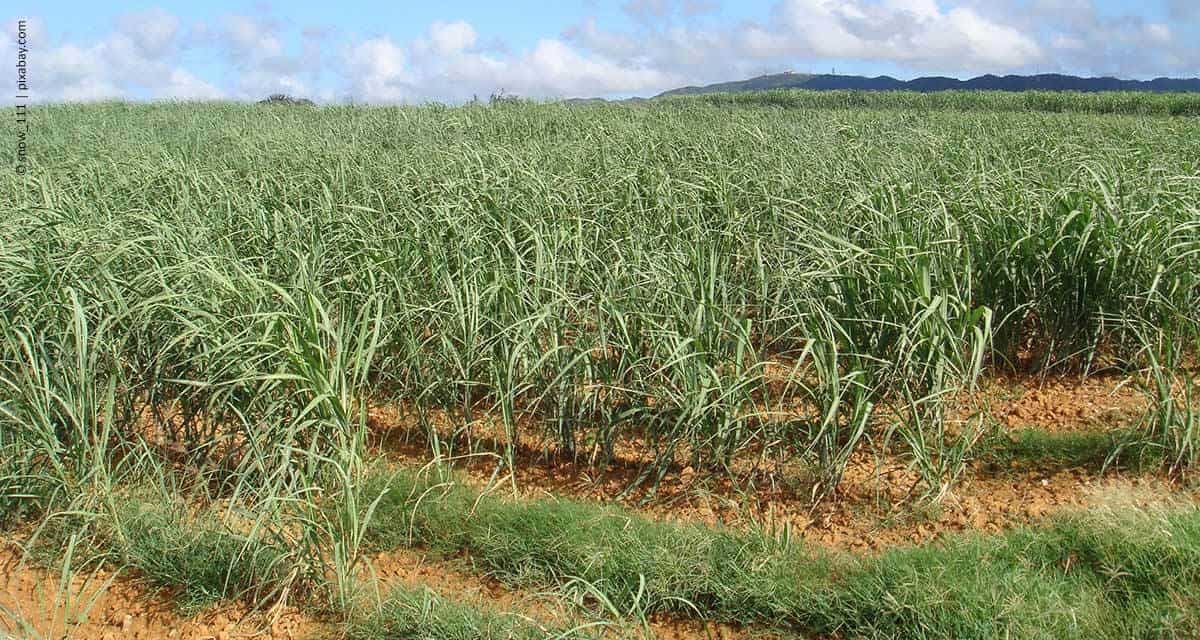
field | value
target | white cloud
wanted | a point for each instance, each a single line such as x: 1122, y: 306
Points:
x: 924, y: 9
x: 1159, y: 33
x: 611, y: 44
x: 1084, y: 39
x: 449, y: 38
x: 254, y: 47
x: 35, y: 31
x: 647, y: 8
x: 958, y: 37
x: 88, y: 90
x: 668, y: 43
x: 68, y: 65
x: 445, y: 64
x: 1068, y: 43
x: 377, y: 71
x: 153, y: 32
x: 914, y: 33
x: 182, y: 85
x: 139, y: 57
x: 553, y: 67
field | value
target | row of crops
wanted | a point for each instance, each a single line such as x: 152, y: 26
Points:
x: 1106, y: 102
x: 706, y: 280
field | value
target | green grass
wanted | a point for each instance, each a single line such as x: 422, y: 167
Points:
x: 206, y: 556
x: 1119, y: 577
x: 202, y: 555
x: 1104, y: 573
x: 425, y: 615
x: 1092, y: 450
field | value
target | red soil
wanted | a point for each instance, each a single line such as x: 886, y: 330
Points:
x: 874, y: 509
x: 1065, y: 404
x: 877, y: 503
x: 101, y: 605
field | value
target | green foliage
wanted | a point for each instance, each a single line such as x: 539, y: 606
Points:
x: 1105, y: 102
x: 1171, y: 421
x: 1100, y: 574
x: 1065, y: 450
x: 207, y: 299
x: 579, y: 275
x: 207, y: 556
x: 424, y: 615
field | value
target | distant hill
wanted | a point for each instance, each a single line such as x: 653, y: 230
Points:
x: 1040, y: 82
x: 761, y: 83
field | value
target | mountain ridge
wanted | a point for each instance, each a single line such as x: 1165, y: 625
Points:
x: 930, y: 84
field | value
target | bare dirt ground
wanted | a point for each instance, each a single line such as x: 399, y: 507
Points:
x: 102, y: 605
x: 1064, y: 404
x: 873, y: 510
x: 875, y: 507
x: 870, y: 512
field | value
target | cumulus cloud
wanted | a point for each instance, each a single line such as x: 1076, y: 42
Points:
x: 380, y: 72
x: 695, y: 54
x: 962, y: 37
x: 917, y: 34
x: 446, y: 63
x: 254, y: 46
x: 660, y: 44
x: 449, y: 38
x: 1081, y: 38
x: 154, y: 33
x: 138, y: 57
x: 554, y: 67
x: 182, y: 85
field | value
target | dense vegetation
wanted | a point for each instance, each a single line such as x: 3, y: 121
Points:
x: 203, y: 300
x: 1102, y: 574
x: 1108, y: 102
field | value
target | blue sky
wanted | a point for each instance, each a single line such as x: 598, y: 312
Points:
x: 450, y: 50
